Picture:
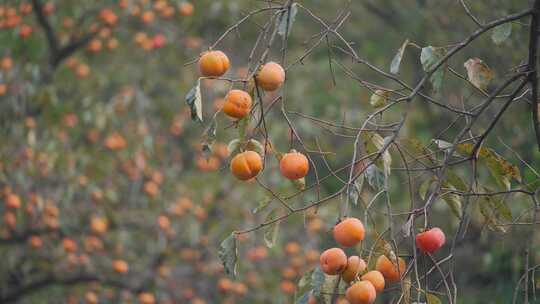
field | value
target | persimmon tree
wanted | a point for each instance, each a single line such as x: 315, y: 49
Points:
x: 326, y: 152
x: 449, y: 169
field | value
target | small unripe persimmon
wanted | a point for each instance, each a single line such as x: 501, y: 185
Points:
x: 430, y: 240
x: 213, y: 64
x: 237, y: 104
x: 355, y: 266
x: 376, y: 278
x: 333, y: 261
x: 362, y: 292
x: 271, y: 76
x: 294, y: 165
x: 246, y: 165
x: 389, y: 269
x: 349, y: 232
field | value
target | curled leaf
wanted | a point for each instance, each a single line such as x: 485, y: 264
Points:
x: 478, y: 73
x: 228, y: 254
x: 501, y: 33
x: 379, y: 98
x: 396, y: 62
x: 430, y: 57
x: 194, y: 101
x: 286, y: 20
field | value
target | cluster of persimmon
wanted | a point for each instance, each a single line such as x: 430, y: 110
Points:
x: 365, y: 284
x: 12, y: 17
x: 6, y: 64
x: 237, y: 105
x: 298, y: 260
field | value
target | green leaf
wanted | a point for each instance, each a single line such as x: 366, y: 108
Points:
x: 379, y: 99
x: 396, y: 62
x: 304, y: 287
x: 286, y: 20
x: 209, y: 137
x: 228, y: 254
x: 501, y: 208
x: 453, y: 200
x: 305, y: 280
x: 354, y: 192
x: 430, y: 57
x: 271, y: 233
x: 478, y: 73
x: 501, y: 33
x: 453, y: 179
x: 501, y: 169
x: 375, y: 177
x: 432, y: 299
x: 375, y: 143
x: 491, y: 214
x: 194, y: 101
x: 262, y: 205
x: 304, y: 299
x: 422, y: 190
x: 242, y: 128
x: 317, y: 280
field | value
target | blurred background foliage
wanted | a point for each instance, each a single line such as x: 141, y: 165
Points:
x: 101, y: 151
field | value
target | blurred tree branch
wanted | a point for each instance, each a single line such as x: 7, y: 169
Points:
x: 533, y: 67
x: 58, y: 53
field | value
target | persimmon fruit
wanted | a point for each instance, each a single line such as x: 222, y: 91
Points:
x: 237, y: 104
x: 120, y: 266
x: 349, y: 232
x: 271, y: 76
x: 333, y: 261
x: 213, y: 64
x: 376, y: 278
x: 389, y: 269
x: 430, y: 240
x: 294, y: 165
x: 246, y: 165
x: 362, y: 292
x: 355, y: 266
